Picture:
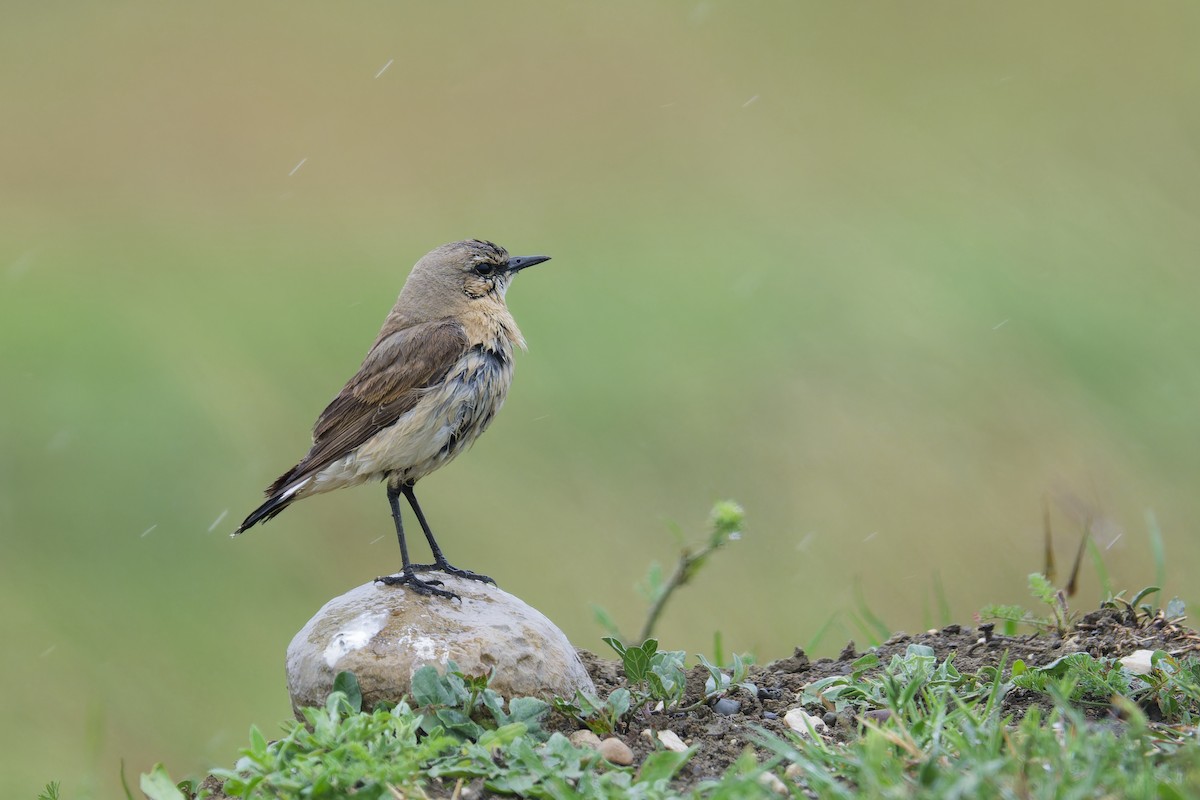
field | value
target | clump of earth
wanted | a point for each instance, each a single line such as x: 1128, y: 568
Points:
x: 721, y: 735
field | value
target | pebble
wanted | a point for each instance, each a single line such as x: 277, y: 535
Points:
x: 727, y: 707
x: 616, y: 752
x: 830, y: 718
x: 772, y: 782
x: 800, y: 720
x: 1139, y: 662
x: 770, y: 715
x: 793, y: 772
x: 878, y: 716
x: 671, y: 741
x: 585, y: 738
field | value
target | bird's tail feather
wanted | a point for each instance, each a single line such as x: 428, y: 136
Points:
x: 264, y: 513
x: 278, y: 498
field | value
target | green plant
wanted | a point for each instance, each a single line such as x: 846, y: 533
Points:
x: 945, y: 736
x: 720, y: 683
x: 1078, y: 677
x: 904, y: 680
x: 465, y: 707
x: 459, y: 731
x: 725, y: 523
x: 1060, y: 617
x: 1135, y: 608
x: 654, y: 676
x: 157, y: 785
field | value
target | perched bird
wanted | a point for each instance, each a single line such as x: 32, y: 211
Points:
x: 431, y: 383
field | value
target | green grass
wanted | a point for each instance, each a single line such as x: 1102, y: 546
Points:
x: 945, y: 735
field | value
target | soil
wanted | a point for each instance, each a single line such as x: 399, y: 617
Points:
x: 721, y: 737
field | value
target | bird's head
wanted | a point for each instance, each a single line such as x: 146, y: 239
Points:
x: 461, y: 273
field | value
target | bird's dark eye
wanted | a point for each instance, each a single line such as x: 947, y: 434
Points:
x: 485, y: 268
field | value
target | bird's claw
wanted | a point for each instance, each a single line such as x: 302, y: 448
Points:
x: 407, y: 578
x: 455, y: 571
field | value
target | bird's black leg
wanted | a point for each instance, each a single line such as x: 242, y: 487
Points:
x: 408, y: 576
x: 439, y: 561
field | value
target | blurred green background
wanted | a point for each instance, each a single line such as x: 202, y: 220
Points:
x: 887, y: 274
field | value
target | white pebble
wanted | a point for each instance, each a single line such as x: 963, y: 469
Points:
x: 800, y: 720
x: 1139, y: 662
x: 671, y: 741
x: 772, y: 782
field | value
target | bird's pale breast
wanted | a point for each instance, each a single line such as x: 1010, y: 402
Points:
x: 449, y: 417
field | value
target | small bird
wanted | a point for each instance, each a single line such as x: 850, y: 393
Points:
x: 431, y: 383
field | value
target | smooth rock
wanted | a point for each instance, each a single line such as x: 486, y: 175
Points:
x: 671, y: 741
x: 726, y: 707
x: 801, y: 721
x: 383, y: 634
x: 878, y: 716
x: 1139, y: 662
x: 616, y: 752
x: 772, y: 782
x: 585, y: 738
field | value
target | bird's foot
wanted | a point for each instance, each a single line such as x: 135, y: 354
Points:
x: 409, y: 579
x: 444, y: 566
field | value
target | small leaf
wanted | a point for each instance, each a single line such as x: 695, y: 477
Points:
x: 347, y: 684
x: 526, y: 709
x: 919, y: 651
x: 605, y: 620
x: 157, y: 785
x: 662, y: 765
x: 1041, y: 588
x: 1143, y: 594
x: 615, y: 644
x: 618, y: 702
x: 431, y: 689
x: 502, y: 736
x: 258, y: 743
x: 637, y: 661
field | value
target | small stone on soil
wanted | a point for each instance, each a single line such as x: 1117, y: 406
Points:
x: 671, y: 741
x: 585, y: 738
x: 616, y: 752
x: 1139, y: 662
x: 726, y: 707
x: 800, y: 720
x: 772, y: 782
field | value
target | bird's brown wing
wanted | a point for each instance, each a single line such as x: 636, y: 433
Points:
x: 388, y: 384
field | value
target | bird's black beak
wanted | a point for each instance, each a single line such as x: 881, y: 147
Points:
x: 518, y: 263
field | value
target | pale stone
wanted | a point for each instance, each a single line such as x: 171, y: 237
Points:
x: 772, y: 782
x: 671, y: 741
x: 585, y: 738
x: 616, y: 752
x: 383, y: 634
x: 1139, y: 662
x: 799, y: 720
